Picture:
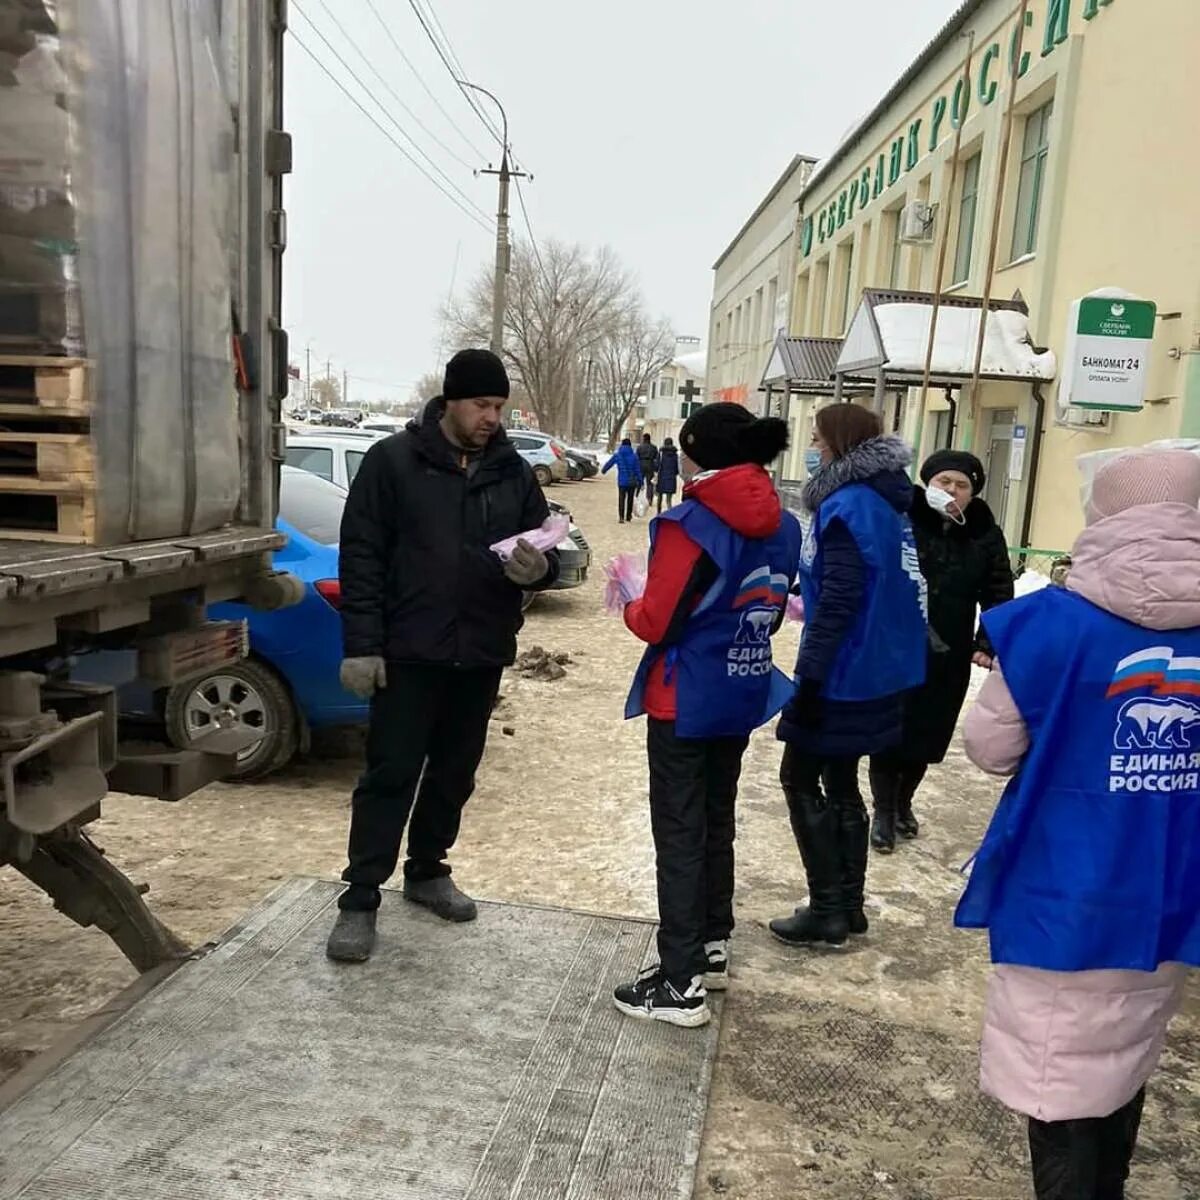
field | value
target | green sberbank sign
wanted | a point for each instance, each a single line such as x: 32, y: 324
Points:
x: 946, y: 114
x: 1107, y: 355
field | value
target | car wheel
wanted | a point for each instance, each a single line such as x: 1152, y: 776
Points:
x: 543, y: 476
x: 245, y: 695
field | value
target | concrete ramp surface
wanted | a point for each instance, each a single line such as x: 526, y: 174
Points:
x: 473, y: 1062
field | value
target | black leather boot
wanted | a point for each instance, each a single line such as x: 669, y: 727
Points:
x: 907, y: 825
x: 852, y: 828
x: 823, y: 921
x: 883, y: 825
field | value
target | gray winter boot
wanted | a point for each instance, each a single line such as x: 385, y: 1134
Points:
x: 353, y: 936
x: 441, y: 897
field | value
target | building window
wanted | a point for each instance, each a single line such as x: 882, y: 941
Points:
x: 772, y: 324
x: 1035, y: 149
x: 897, y: 246
x: 846, y: 265
x: 967, y: 208
x: 666, y: 387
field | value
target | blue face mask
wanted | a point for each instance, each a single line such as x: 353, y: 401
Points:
x: 812, y: 460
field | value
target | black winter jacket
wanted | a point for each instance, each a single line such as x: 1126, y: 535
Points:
x: 419, y: 584
x: 966, y: 568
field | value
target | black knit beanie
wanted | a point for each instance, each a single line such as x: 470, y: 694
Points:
x: 727, y: 435
x: 473, y: 373
x: 961, y: 461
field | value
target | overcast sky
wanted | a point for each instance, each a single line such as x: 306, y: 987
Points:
x: 652, y: 126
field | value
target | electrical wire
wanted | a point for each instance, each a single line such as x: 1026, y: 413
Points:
x: 387, y: 29
x: 537, y: 254
x: 486, y: 225
x: 464, y: 198
x: 456, y: 73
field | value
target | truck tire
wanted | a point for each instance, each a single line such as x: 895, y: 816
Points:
x: 247, y: 693
x: 543, y: 475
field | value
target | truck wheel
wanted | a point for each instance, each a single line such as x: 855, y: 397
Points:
x: 244, y: 695
x: 543, y: 476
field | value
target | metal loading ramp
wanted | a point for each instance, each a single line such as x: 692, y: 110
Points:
x: 462, y: 1063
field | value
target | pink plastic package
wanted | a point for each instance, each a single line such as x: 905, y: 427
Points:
x: 626, y: 575
x: 547, y: 535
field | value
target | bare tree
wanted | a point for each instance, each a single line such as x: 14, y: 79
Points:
x: 326, y: 392
x: 631, y: 354
x: 428, y: 386
x: 559, y: 304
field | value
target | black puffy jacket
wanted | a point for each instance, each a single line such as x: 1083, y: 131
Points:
x: 419, y: 584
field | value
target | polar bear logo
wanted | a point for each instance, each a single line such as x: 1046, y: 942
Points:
x: 754, y: 629
x: 1150, y: 724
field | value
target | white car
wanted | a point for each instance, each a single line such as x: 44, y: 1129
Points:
x: 337, y: 455
x: 543, y: 453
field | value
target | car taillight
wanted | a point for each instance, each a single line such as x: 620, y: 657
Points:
x: 558, y: 453
x: 330, y: 590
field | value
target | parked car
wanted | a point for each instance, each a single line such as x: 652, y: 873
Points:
x: 543, y: 453
x: 581, y: 464
x: 384, y: 425
x: 335, y: 457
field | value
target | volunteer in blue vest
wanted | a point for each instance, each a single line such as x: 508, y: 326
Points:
x: 721, y: 566
x: 1088, y: 881
x: 863, y: 648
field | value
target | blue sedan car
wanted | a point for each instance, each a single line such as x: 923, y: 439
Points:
x: 289, y: 683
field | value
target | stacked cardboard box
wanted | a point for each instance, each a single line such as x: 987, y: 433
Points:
x: 40, y: 310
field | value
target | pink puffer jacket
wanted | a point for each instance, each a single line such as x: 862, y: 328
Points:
x: 1059, y: 1045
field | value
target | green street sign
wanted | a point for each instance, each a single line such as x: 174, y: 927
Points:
x: 1108, y: 353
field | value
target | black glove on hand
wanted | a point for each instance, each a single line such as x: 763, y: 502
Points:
x: 807, y: 709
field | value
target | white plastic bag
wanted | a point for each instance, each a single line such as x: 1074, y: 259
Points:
x: 547, y: 535
x: 639, y: 505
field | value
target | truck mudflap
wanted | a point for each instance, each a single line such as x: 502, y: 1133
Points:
x: 69, y: 867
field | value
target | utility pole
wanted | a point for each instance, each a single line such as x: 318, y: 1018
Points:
x: 345, y: 389
x: 503, y: 246
x: 308, y: 377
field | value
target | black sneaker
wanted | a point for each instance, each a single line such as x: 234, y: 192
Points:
x: 716, y: 975
x: 652, y: 997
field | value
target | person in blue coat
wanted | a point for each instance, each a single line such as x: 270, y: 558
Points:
x: 863, y: 647
x: 629, y: 478
x: 668, y: 473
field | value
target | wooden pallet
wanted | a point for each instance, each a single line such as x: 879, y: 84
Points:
x: 35, y: 386
x: 47, y: 456
x: 47, y: 510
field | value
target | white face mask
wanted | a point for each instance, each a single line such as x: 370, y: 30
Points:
x: 940, y: 501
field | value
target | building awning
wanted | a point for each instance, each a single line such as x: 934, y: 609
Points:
x: 888, y: 340
x: 802, y: 365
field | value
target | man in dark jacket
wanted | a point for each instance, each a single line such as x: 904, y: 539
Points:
x: 429, y: 621
x: 647, y: 454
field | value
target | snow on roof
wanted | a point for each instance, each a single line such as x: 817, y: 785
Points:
x: 1007, y: 347
x: 695, y: 363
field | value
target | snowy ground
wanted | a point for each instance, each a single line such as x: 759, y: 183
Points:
x: 840, y: 1075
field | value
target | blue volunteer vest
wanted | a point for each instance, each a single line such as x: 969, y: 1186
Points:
x: 726, y: 684
x: 1092, y: 859
x: 884, y: 651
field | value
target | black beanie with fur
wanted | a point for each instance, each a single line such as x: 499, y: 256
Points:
x: 728, y: 435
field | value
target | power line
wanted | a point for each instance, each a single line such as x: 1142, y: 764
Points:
x: 387, y: 29
x: 391, y: 90
x: 529, y: 230
x: 465, y: 203
x: 456, y: 73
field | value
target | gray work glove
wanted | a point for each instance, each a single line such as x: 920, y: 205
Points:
x: 528, y: 565
x: 363, y: 676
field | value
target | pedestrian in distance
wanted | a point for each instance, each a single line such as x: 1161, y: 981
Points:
x: 1088, y: 879
x: 863, y: 648
x: 629, y: 478
x: 964, y: 558
x: 721, y: 565
x: 667, y: 483
x: 648, y: 458
x: 429, y: 621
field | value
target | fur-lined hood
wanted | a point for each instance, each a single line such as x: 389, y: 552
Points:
x: 880, y: 462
